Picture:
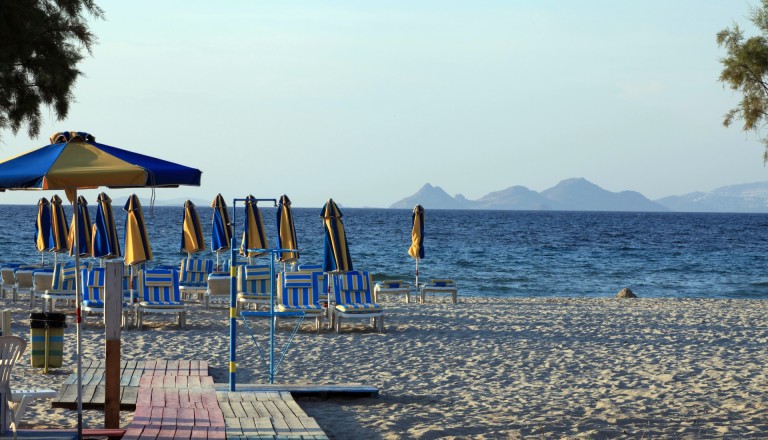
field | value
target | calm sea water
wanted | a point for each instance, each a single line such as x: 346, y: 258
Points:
x: 503, y: 253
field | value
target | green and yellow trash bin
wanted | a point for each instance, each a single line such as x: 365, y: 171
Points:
x: 47, y: 336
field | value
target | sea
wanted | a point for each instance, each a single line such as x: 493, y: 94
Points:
x: 494, y: 253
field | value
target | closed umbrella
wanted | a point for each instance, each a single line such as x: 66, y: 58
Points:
x: 336, y: 256
x: 192, y: 240
x: 137, y: 247
x: 253, y: 231
x: 58, y: 240
x: 286, y: 231
x: 74, y: 161
x: 221, y: 230
x: 43, y: 227
x: 106, y: 244
x: 83, y: 228
x: 416, y: 250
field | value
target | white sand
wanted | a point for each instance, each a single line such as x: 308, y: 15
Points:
x: 544, y: 368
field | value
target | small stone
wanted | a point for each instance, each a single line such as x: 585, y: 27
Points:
x: 625, y: 293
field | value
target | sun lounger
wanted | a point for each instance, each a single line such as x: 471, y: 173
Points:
x: 8, y: 277
x: 440, y: 286
x: 218, y: 289
x: 62, y: 286
x: 354, y: 300
x: 24, y: 280
x: 193, y: 276
x: 299, y: 292
x: 392, y: 287
x: 253, y: 286
x: 93, y: 293
x: 160, y: 294
x: 42, y: 280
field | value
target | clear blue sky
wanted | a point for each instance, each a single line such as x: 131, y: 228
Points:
x: 367, y: 101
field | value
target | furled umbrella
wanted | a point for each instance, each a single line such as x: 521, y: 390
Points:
x: 253, y: 230
x: 417, y: 238
x: 83, y: 229
x: 74, y: 161
x: 137, y: 247
x: 192, y: 240
x: 58, y: 240
x: 286, y: 231
x: 105, y: 244
x: 43, y: 227
x: 221, y: 230
x: 336, y: 258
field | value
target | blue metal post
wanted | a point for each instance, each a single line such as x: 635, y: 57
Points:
x: 233, y: 303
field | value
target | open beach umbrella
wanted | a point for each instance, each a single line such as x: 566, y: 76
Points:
x: 43, y: 227
x: 83, y: 228
x: 221, y: 230
x: 106, y: 244
x: 417, y: 238
x: 253, y: 230
x: 192, y: 240
x: 336, y: 256
x: 74, y: 161
x: 286, y: 231
x: 58, y: 240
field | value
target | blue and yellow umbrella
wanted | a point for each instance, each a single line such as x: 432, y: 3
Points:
x: 192, y: 240
x: 286, y: 231
x: 336, y: 256
x: 43, y: 227
x: 75, y: 161
x: 83, y: 228
x: 58, y: 240
x: 221, y: 230
x: 105, y: 242
x: 137, y: 248
x: 416, y: 250
x: 254, y: 236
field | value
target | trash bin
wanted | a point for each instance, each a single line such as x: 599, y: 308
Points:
x: 47, y: 336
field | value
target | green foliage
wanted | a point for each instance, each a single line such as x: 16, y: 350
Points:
x: 41, y: 44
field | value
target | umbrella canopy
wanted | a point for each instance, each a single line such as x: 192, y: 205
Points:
x: 105, y: 242
x: 42, y: 226
x: 417, y: 238
x: 221, y: 231
x: 253, y: 231
x: 58, y: 240
x: 336, y: 256
x: 75, y: 161
x: 286, y: 231
x: 137, y: 248
x: 83, y: 228
x: 191, y: 233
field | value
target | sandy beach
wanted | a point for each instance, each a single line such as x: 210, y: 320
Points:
x: 487, y: 368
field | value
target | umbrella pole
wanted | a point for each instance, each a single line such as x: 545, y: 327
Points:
x: 417, y: 276
x: 78, y: 319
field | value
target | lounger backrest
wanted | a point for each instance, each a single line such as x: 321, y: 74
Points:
x: 442, y: 283
x: 93, y: 284
x: 195, y: 271
x: 353, y: 288
x: 253, y: 280
x: 298, y: 288
x: 218, y: 284
x: 310, y: 267
x: 64, y: 277
x: 392, y: 284
x: 7, y: 272
x: 161, y: 285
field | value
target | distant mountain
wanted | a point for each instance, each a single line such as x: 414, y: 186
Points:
x: 747, y: 197
x: 583, y: 195
x: 568, y: 195
x: 515, y: 197
x: 434, y: 197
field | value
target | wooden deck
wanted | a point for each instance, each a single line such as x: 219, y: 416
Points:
x: 130, y: 377
x: 266, y: 415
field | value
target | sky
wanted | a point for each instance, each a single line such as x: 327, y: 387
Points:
x: 365, y: 102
